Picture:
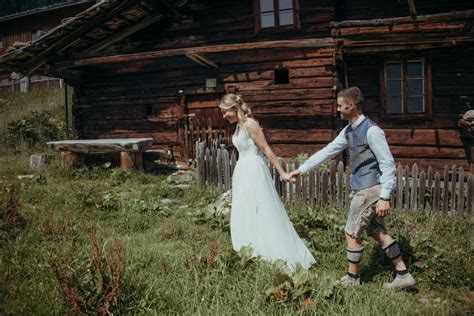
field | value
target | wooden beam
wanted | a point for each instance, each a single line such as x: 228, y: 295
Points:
x: 201, y: 60
x: 168, y: 9
x: 456, y: 15
x: 300, y: 43
x: 69, y: 39
x: 411, y: 5
x: 121, y: 34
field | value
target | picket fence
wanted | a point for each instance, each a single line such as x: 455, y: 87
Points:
x: 450, y: 192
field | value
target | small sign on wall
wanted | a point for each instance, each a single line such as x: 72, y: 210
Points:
x: 211, y: 83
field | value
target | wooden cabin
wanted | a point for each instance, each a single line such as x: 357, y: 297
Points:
x: 152, y: 68
x: 17, y: 29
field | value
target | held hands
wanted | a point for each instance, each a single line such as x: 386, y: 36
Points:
x: 294, y: 175
x: 285, y: 176
x: 382, y: 207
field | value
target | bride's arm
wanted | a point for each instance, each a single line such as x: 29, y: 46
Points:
x: 255, y: 131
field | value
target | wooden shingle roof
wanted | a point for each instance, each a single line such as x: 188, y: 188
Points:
x: 86, y: 34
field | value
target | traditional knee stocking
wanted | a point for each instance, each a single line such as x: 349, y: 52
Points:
x: 354, y: 255
x: 392, y: 250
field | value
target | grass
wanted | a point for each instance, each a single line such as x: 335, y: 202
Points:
x: 178, y: 260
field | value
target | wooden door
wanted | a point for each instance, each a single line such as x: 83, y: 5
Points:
x: 202, y: 120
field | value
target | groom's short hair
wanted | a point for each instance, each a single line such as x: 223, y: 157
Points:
x: 353, y: 94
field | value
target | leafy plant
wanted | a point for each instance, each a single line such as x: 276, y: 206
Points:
x: 93, y: 286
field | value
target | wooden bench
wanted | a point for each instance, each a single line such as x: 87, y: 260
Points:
x: 130, y: 149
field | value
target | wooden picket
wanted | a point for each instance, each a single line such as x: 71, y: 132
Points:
x: 449, y: 193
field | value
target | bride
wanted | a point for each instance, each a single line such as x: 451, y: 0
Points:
x: 258, y: 218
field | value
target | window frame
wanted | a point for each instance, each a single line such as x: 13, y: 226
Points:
x: 277, y: 28
x: 427, y: 86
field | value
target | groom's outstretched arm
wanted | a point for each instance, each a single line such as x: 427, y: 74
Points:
x: 328, y: 152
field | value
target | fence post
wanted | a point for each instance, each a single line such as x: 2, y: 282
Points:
x: 445, y: 190
x: 461, y: 191
x: 332, y: 182
x: 453, y: 188
x: 324, y: 187
x: 421, y: 190
x: 414, y: 191
x: 436, y: 194
x: 429, y: 184
x: 470, y: 195
x: 219, y: 168
x: 227, y: 177
x: 312, y: 187
x: 298, y: 183
x: 407, y: 188
x: 400, y: 187
x: 284, y: 185
x: 340, y: 182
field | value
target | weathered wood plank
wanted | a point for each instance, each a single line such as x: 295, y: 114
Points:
x: 414, y: 188
x: 102, y: 145
x: 460, y: 200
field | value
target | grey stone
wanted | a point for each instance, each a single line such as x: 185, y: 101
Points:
x: 182, y: 186
x: 39, y: 161
x: 167, y: 201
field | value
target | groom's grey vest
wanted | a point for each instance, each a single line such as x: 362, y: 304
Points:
x: 365, y: 171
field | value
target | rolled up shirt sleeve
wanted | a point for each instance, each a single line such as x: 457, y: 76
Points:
x: 379, y: 146
x: 328, y: 152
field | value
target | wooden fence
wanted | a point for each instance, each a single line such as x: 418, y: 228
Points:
x: 195, y: 130
x: 451, y: 191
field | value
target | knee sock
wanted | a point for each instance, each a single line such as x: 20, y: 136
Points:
x: 354, y: 256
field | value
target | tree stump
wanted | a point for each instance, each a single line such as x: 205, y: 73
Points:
x: 71, y: 159
x: 131, y: 160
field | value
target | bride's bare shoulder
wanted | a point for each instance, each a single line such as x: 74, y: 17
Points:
x: 251, y: 123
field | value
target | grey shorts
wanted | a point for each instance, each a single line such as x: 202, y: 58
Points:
x: 362, y: 215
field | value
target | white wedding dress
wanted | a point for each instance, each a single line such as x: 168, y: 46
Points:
x: 258, y: 218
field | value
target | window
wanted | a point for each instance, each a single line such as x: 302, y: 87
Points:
x: 281, y: 76
x: 274, y: 14
x: 1, y: 41
x: 406, y: 87
x: 35, y: 34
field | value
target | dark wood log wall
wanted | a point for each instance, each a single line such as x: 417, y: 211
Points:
x: 376, y: 9
x: 224, y: 22
x: 118, y: 101
x: 139, y: 99
x: 435, y: 141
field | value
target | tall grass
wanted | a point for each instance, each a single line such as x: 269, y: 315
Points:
x: 100, y: 240
x: 17, y: 106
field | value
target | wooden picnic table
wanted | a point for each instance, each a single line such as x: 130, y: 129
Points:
x: 130, y: 149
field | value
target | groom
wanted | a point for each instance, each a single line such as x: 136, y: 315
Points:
x: 372, y: 180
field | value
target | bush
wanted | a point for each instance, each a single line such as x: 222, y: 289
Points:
x: 38, y: 127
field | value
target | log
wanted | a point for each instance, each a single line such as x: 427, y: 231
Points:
x: 131, y: 160
x: 71, y: 159
x: 300, y: 43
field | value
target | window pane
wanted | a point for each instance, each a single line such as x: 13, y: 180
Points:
x: 286, y: 17
x: 394, y: 87
x: 415, y: 69
x: 394, y: 70
x: 266, y: 5
x: 394, y: 104
x: 285, y: 4
x: 416, y: 104
x: 415, y: 86
x: 267, y: 20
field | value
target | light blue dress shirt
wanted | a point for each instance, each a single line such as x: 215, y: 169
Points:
x: 377, y: 143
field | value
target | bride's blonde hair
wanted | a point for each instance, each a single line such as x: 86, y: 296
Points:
x: 235, y: 100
